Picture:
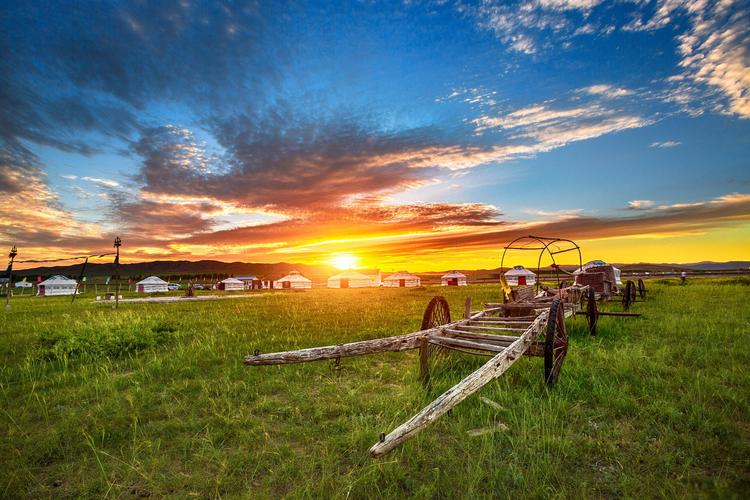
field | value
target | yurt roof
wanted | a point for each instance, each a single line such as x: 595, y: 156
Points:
x: 519, y: 271
x: 453, y: 274
x: 233, y: 280
x: 246, y: 278
x: 349, y: 275
x: 58, y: 280
x: 401, y: 275
x: 294, y: 276
x: 152, y: 280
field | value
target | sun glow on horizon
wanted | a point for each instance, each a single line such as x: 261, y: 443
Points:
x: 344, y: 261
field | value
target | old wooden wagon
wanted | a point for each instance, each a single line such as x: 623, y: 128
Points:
x: 525, y: 323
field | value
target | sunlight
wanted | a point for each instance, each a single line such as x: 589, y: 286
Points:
x: 344, y: 261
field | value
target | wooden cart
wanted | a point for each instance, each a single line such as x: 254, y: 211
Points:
x: 503, y: 332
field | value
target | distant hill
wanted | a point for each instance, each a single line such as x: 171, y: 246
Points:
x: 184, y: 268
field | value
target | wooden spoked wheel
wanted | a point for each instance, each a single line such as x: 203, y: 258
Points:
x: 438, y: 313
x: 555, y: 342
x: 641, y: 288
x: 592, y: 311
x: 628, y: 295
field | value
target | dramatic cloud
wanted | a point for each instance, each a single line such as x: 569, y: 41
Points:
x: 640, y: 204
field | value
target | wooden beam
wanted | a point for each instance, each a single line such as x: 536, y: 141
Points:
x: 467, y: 308
x: 468, y: 386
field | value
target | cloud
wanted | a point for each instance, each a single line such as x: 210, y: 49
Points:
x: 607, y: 91
x: 714, y: 50
x: 102, y: 182
x: 665, y: 144
x: 640, y: 204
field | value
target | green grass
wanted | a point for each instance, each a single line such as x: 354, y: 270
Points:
x: 153, y: 399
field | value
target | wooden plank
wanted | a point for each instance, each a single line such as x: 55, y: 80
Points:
x: 491, y: 328
x: 453, y: 331
x: 468, y: 386
x: 469, y: 344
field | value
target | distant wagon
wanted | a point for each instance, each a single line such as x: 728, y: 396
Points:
x: 519, y: 275
x: 402, y: 279
x: 599, y: 263
x: 152, y: 284
x: 231, y: 285
x: 56, y: 285
x: 453, y: 278
x: 293, y: 281
x: 350, y: 279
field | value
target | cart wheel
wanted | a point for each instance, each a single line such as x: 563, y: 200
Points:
x: 592, y: 312
x: 641, y: 288
x: 555, y: 342
x: 627, y: 295
x: 437, y: 313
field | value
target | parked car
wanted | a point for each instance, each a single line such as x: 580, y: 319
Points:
x: 198, y: 286
x: 173, y: 286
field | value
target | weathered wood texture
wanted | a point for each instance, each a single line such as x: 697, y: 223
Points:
x: 469, y: 385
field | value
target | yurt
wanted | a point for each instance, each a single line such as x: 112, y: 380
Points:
x: 151, y: 284
x: 231, y: 285
x: 293, y: 281
x: 56, y: 285
x: 519, y: 275
x: 599, y: 263
x: 453, y: 278
x: 350, y: 279
x: 401, y: 279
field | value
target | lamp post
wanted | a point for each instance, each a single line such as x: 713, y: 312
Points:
x: 117, y: 245
x: 12, y: 255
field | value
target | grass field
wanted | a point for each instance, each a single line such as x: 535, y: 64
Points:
x: 153, y: 400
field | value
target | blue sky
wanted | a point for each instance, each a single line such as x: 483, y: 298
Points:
x: 286, y: 131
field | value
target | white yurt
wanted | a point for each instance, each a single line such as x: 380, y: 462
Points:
x: 350, y: 279
x: 519, y: 275
x: 597, y: 263
x: 56, y: 285
x: 231, y: 285
x: 151, y: 284
x: 453, y: 278
x: 402, y: 279
x: 293, y: 280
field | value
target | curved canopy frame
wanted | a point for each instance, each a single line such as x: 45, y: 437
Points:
x: 542, y: 244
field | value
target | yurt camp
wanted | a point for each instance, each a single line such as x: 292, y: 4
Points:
x: 152, y: 284
x: 350, y: 279
x: 56, y: 285
x: 293, y: 281
x: 519, y: 275
x: 402, y: 279
x: 231, y: 285
x: 453, y: 278
x: 599, y: 263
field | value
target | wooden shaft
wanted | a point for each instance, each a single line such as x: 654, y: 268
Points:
x: 453, y: 396
x: 388, y: 344
x: 467, y: 308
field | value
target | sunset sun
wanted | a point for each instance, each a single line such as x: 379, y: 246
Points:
x: 344, y: 261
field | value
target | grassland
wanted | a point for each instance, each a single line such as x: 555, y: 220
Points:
x: 153, y: 400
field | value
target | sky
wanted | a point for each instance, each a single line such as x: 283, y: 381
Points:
x: 403, y: 135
